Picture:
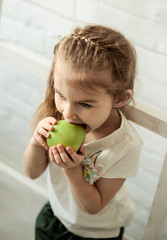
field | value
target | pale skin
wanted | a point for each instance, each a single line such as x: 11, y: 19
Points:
x: 77, y: 106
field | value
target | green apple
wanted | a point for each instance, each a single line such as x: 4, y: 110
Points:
x: 67, y: 134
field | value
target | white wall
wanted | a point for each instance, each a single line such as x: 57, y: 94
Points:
x: 37, y: 26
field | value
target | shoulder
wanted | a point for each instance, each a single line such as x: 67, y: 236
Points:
x: 118, y: 143
x: 118, y: 153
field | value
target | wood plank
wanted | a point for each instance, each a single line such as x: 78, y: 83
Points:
x: 19, y: 208
x: 0, y: 6
x: 148, y: 117
x: 158, y: 213
x: 28, y: 60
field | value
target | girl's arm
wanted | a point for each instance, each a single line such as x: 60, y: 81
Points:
x: 91, y: 198
x: 35, y: 159
x: 36, y: 153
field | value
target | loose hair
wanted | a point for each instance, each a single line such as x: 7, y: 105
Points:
x: 92, y: 48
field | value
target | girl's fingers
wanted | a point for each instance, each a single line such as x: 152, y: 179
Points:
x: 51, y: 155
x: 77, y: 158
x: 41, y: 141
x: 66, y: 158
x: 43, y: 132
x: 48, y: 123
x: 47, y: 126
x: 82, y: 150
x: 51, y: 120
x: 44, y: 127
x: 63, y: 154
x: 56, y: 157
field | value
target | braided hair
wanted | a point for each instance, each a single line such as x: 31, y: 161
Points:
x: 93, y: 48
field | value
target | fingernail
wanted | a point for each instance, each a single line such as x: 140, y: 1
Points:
x: 68, y: 149
x: 59, y: 146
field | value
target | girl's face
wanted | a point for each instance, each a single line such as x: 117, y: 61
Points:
x: 78, y: 105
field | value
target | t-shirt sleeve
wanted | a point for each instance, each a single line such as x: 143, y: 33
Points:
x: 127, y: 166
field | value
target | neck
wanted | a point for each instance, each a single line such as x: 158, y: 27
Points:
x: 109, y: 126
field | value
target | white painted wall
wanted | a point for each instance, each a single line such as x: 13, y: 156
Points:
x: 37, y: 26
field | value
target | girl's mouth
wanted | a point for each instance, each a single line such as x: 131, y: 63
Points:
x: 84, y: 126
x: 81, y: 124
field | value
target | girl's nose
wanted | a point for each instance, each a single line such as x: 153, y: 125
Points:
x: 69, y: 113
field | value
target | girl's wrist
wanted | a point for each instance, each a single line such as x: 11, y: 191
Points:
x: 36, y: 145
x: 34, y: 142
x: 74, y: 171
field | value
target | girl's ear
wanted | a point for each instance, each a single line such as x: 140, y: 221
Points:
x: 124, y: 98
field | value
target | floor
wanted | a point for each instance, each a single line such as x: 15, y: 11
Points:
x: 20, y: 201
x: 19, y: 206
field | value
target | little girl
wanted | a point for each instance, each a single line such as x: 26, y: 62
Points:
x: 91, y: 78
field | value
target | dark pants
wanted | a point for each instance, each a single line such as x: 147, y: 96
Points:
x: 48, y: 227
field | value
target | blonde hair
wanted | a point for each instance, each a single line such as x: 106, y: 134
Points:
x: 90, y: 48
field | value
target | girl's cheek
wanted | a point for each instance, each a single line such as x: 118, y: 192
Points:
x: 58, y: 105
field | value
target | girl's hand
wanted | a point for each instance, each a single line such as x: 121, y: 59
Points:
x: 41, y: 132
x: 66, y: 158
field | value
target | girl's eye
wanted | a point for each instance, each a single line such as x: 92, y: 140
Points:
x: 59, y: 94
x: 85, y: 105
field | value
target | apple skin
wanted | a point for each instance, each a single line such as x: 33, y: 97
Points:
x: 67, y: 134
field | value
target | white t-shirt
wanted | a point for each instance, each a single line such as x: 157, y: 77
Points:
x: 117, y: 155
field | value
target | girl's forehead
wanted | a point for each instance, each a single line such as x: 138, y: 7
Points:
x: 61, y: 84
x: 88, y: 78
x: 78, y: 92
